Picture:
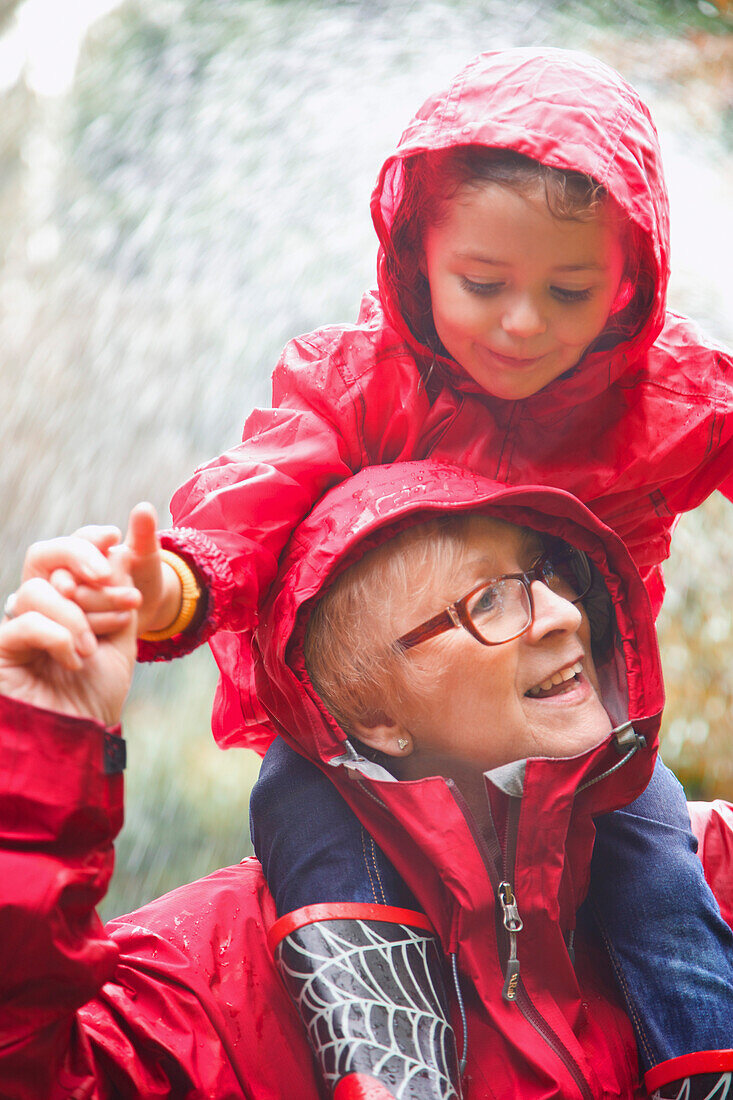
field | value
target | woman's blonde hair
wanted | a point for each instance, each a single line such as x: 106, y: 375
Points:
x: 350, y: 651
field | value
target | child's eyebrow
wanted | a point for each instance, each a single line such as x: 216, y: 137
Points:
x: 481, y: 259
x: 581, y: 267
x: 476, y: 257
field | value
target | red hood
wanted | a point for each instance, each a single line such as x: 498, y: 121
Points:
x: 361, y: 512
x: 358, y: 514
x: 569, y: 111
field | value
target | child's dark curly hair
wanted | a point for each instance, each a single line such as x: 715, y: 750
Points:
x: 432, y: 179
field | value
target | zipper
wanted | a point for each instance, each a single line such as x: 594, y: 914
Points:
x: 553, y: 1040
x: 505, y: 893
x: 514, y: 989
x: 507, y: 446
x: 513, y: 924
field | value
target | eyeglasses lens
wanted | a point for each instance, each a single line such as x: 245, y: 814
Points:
x: 501, y: 610
x: 572, y: 575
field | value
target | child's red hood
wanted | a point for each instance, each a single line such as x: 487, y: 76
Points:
x: 569, y: 111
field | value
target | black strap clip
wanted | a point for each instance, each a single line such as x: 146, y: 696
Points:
x: 115, y: 754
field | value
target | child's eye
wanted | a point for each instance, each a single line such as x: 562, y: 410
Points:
x: 565, y: 295
x: 480, y: 288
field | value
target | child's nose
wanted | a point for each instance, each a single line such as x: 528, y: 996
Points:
x: 523, y: 318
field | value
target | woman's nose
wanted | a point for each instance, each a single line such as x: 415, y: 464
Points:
x: 523, y: 318
x: 552, y: 612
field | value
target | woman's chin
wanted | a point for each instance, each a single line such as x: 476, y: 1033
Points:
x: 569, y: 723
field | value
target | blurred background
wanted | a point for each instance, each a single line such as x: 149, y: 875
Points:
x: 184, y: 185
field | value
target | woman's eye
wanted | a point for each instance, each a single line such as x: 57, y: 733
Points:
x: 480, y: 288
x: 549, y: 570
x: 487, y: 601
x: 565, y: 295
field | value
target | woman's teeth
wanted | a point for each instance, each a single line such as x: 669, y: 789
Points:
x: 557, y: 678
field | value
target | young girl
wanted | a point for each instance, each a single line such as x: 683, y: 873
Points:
x: 519, y: 329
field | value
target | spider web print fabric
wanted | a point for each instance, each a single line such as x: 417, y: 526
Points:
x: 370, y: 996
x: 706, y: 1087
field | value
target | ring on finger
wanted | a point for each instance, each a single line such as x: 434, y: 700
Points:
x: 9, y: 608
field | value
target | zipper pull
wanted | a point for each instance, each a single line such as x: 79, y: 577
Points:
x: 513, y: 924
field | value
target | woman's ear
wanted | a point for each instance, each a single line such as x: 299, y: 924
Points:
x: 379, y: 731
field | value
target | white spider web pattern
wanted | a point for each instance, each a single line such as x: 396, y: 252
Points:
x: 371, y: 1006
x: 721, y: 1090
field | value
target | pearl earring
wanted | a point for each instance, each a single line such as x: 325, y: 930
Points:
x: 402, y: 743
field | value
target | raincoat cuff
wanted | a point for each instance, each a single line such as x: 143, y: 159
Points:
x: 312, y: 914
x: 52, y: 764
x: 216, y: 580
x: 688, y: 1065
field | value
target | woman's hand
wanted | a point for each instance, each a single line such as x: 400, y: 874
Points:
x: 78, y: 567
x: 50, y: 657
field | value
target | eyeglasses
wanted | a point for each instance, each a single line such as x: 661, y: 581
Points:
x: 502, y: 609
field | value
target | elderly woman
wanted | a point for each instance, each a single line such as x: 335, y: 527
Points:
x: 438, y: 620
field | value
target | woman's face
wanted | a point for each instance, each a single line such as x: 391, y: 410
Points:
x: 484, y: 706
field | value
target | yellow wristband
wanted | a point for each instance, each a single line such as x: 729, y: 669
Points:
x: 190, y: 595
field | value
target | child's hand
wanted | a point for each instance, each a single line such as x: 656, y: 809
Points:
x: 78, y: 568
x: 155, y: 580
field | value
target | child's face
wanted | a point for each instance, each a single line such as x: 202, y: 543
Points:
x: 517, y: 294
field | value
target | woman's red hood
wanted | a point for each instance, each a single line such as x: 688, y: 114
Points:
x: 569, y: 111
x: 360, y: 513
x: 423, y: 825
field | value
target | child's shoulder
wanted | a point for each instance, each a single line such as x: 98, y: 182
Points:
x: 350, y: 353
x: 687, y: 360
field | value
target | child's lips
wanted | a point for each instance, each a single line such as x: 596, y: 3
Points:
x: 514, y: 361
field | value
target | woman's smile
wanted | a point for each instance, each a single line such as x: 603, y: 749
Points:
x: 562, y: 680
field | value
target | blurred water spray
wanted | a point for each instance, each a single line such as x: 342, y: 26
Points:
x: 184, y: 185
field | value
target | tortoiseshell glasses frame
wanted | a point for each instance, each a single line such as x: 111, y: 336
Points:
x: 565, y: 570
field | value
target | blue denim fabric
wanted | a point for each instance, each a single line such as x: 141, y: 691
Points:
x: 311, y: 846
x: 670, y: 947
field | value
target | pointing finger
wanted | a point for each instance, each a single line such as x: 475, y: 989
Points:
x: 142, y: 536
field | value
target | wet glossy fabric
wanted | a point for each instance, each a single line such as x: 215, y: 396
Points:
x: 181, y: 998
x: 640, y: 434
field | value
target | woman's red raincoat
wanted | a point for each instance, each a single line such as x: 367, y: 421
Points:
x: 181, y: 999
x: 640, y: 434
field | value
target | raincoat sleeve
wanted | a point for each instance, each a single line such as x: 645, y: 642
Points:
x: 59, y: 811
x: 125, y: 1011
x: 705, y: 428
x: 329, y: 418
x: 712, y: 823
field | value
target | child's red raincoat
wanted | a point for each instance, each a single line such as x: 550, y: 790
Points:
x: 640, y: 434
x: 181, y: 999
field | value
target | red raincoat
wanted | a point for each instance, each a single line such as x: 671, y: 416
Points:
x: 181, y: 999
x: 639, y: 434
